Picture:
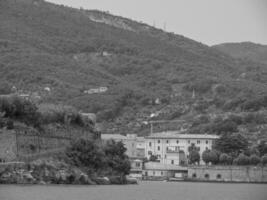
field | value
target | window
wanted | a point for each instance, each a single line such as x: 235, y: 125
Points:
x: 194, y: 175
x: 158, y: 148
x: 167, y: 141
x: 172, y: 162
x: 219, y: 176
x: 198, y: 142
x: 153, y: 172
x: 137, y: 164
x: 177, y: 141
x: 161, y: 173
x: 158, y: 141
x: 150, y: 144
x: 165, y: 156
x: 188, y: 141
x: 207, y: 176
x: 207, y: 142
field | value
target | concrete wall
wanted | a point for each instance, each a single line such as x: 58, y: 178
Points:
x: 228, y: 173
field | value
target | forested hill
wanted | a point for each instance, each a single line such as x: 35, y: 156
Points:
x: 244, y: 50
x: 148, y: 73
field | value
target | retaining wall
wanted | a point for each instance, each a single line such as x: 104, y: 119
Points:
x: 228, y: 173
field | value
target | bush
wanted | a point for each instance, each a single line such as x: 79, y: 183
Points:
x: 194, y: 157
x: 254, y: 159
x: 108, y: 158
x: 231, y: 143
x: 206, y: 156
x: 210, y: 156
x: 242, y: 160
x: 225, y: 159
x: 264, y: 159
x: 51, y: 113
x: 15, y: 107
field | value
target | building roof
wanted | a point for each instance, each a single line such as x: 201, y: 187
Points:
x: 165, y: 167
x: 113, y: 136
x: 178, y: 135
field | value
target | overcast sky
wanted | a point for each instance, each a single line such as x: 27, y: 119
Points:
x: 207, y: 21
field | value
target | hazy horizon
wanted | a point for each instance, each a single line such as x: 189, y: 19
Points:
x: 208, y: 21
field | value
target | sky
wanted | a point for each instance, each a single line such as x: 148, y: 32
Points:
x: 207, y: 21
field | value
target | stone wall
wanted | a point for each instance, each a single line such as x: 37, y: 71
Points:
x: 8, y: 148
x: 228, y: 173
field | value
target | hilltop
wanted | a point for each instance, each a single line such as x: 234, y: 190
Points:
x: 124, y: 71
x: 244, y: 50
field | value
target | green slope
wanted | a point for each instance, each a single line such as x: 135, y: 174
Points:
x: 46, y: 45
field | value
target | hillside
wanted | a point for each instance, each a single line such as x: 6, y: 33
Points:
x: 245, y: 50
x: 66, y: 55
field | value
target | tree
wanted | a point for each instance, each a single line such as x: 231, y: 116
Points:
x: 194, y: 157
x: 88, y: 154
x: 231, y: 143
x: 214, y: 157
x: 264, y: 159
x: 225, y: 159
x: 242, y: 159
x: 211, y: 156
x: 262, y: 147
x: 254, y: 159
x: 153, y: 158
x: 206, y: 156
x: 116, y: 158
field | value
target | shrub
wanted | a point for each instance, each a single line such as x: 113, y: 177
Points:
x: 194, y: 157
x: 242, y: 160
x: 51, y: 113
x: 206, y: 156
x: 231, y: 143
x: 18, y: 108
x: 264, y: 159
x: 254, y: 159
x: 108, y: 158
x: 210, y: 156
x: 225, y: 159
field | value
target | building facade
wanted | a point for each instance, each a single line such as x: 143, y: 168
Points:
x: 173, y: 147
x: 135, y: 145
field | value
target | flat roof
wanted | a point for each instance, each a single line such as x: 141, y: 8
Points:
x: 178, y: 135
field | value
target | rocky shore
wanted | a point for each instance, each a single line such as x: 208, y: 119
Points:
x: 51, y: 171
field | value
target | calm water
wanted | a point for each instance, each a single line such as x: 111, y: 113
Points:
x: 143, y: 191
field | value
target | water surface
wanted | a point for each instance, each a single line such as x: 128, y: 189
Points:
x: 143, y: 191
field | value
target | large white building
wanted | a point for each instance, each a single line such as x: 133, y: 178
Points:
x: 172, y: 147
x: 135, y: 145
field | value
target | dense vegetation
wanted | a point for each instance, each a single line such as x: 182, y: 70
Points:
x: 14, y: 108
x: 231, y: 149
x: 45, y: 45
x: 105, y: 159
